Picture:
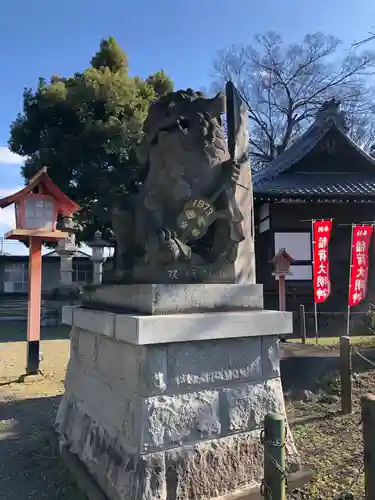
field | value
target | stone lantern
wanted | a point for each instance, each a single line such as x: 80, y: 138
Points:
x: 66, y: 249
x: 98, y: 245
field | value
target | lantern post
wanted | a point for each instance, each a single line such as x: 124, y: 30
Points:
x: 98, y: 245
x: 66, y: 249
x: 37, y: 207
x: 281, y: 268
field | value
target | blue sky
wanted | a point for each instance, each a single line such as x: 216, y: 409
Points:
x: 44, y: 38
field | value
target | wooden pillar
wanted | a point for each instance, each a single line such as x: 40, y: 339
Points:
x: 346, y: 375
x: 282, y: 293
x: 302, y: 317
x: 33, y: 316
x: 274, y: 457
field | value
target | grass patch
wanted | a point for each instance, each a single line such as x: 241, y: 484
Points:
x: 15, y: 331
x: 358, y: 340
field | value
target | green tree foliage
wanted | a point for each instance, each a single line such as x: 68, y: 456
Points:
x: 85, y: 129
x: 110, y: 56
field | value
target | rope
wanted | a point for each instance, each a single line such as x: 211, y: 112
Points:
x: 263, y: 488
x: 277, y: 465
x: 363, y: 357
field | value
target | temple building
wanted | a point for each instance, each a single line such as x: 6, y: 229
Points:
x: 323, y: 175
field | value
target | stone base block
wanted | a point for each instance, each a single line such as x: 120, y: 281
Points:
x: 169, y: 420
x: 174, y: 298
x: 204, y: 470
x: 199, y: 471
x: 146, y: 329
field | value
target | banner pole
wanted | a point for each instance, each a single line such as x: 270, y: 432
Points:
x: 348, y: 321
x: 350, y: 283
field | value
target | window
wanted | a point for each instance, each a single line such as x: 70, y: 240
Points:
x: 264, y: 218
x: 298, y: 246
x: 264, y: 211
x: 16, y: 277
x: 264, y: 225
x: 299, y: 272
x: 82, y: 271
x: 39, y: 213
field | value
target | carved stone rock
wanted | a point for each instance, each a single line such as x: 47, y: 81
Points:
x: 192, y: 218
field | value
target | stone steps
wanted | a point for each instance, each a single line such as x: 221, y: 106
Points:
x: 14, y: 309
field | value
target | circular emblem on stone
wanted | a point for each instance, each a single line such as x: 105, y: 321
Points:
x: 197, y: 216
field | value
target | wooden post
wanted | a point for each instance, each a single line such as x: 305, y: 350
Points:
x: 346, y: 375
x: 274, y: 453
x: 282, y: 293
x: 302, y: 317
x: 368, y: 429
x: 33, y: 316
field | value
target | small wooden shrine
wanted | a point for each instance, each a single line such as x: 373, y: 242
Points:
x: 281, y: 263
x: 323, y: 175
x: 37, y: 207
x: 281, y: 269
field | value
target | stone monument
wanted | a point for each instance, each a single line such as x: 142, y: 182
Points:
x: 192, y: 220
x: 174, y: 362
x: 67, y: 292
x: 97, y: 258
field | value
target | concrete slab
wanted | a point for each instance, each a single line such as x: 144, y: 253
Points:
x: 144, y: 330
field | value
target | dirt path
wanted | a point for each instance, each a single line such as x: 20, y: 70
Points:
x: 29, y: 465
x: 31, y: 469
x: 331, y: 444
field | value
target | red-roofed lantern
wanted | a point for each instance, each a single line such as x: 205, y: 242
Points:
x: 37, y: 207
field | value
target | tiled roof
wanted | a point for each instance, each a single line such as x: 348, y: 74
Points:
x: 275, y: 180
x: 295, y: 152
x: 78, y: 254
x: 333, y: 185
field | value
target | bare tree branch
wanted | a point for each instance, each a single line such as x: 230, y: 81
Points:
x: 370, y: 38
x: 284, y: 85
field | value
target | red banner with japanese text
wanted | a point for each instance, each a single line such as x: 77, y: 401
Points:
x: 361, y: 238
x: 321, y: 235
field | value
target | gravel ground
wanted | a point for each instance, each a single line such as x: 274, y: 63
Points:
x: 30, y: 469
x: 29, y: 465
x: 331, y: 444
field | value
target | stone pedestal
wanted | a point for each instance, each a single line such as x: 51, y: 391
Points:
x: 66, y: 270
x: 97, y: 272
x: 67, y: 292
x: 171, y: 406
x: 174, y: 299
x: 66, y: 249
x: 98, y: 245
